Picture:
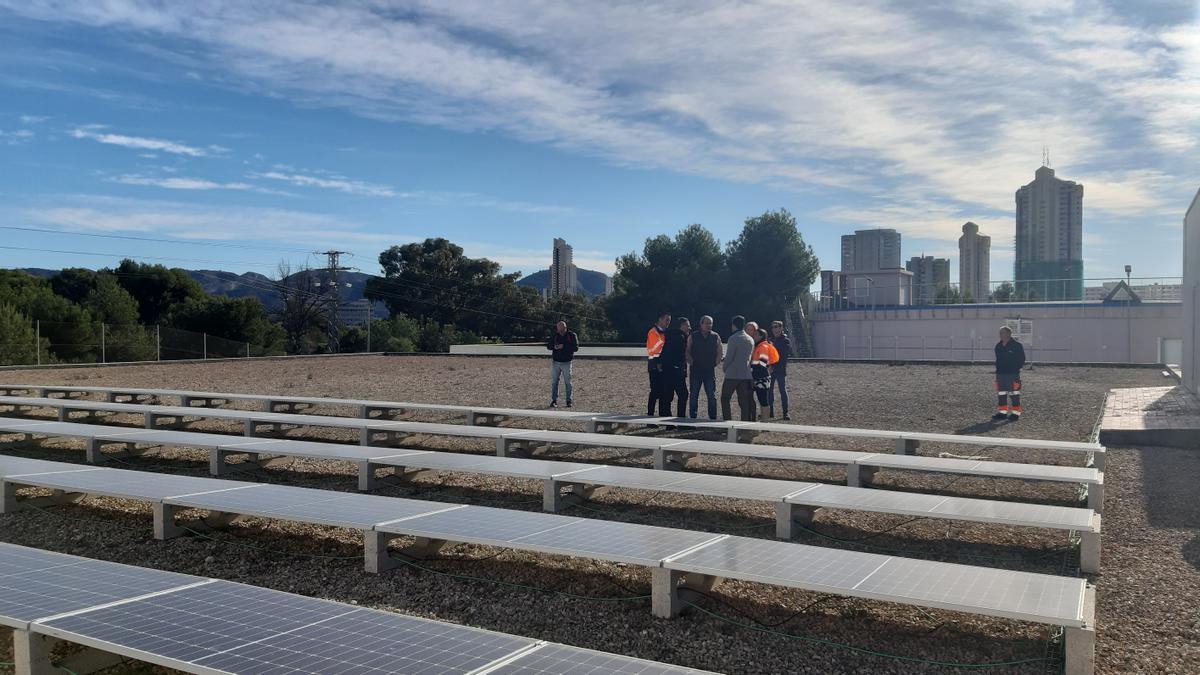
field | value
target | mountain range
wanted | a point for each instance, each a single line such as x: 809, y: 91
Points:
x: 590, y: 282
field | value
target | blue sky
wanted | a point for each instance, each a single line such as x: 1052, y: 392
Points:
x: 277, y: 128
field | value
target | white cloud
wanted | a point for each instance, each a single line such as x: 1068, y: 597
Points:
x: 94, y: 133
x: 15, y: 137
x: 32, y: 119
x: 178, y: 183
x: 339, y: 183
x: 947, y: 110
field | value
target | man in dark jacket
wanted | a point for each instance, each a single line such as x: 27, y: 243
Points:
x: 562, y: 345
x: 704, y: 351
x: 674, y: 357
x: 783, y: 344
x: 655, y: 341
x: 1010, y: 357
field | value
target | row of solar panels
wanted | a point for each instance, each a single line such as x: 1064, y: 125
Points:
x: 792, y: 499
x: 668, y: 452
x: 992, y: 592
x: 735, y: 430
x: 206, y: 625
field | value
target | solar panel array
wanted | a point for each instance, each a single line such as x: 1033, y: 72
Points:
x: 204, y: 625
x: 735, y: 487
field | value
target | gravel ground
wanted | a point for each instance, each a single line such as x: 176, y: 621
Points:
x: 1151, y: 553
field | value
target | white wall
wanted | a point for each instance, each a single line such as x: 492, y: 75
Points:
x: 1191, y: 296
x: 1071, y: 332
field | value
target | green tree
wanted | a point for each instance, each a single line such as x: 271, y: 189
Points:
x: 947, y: 295
x: 1003, y: 293
x: 770, y: 266
x: 433, y: 280
x: 685, y: 275
x: 69, y: 329
x: 304, y: 310
x: 73, y: 283
x: 233, y: 319
x: 108, y: 302
x: 156, y: 288
x: 17, y: 338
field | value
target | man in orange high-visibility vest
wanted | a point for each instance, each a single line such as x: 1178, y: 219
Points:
x: 656, y: 338
x: 1010, y: 358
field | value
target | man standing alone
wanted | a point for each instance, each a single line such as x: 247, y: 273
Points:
x: 703, y: 354
x: 783, y: 345
x: 562, y: 345
x: 655, y: 341
x: 738, y: 378
x: 1010, y: 357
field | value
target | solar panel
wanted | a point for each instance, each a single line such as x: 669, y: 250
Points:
x: 593, y: 440
x: 337, y: 509
x: 78, y: 429
x: 130, y: 484
x: 12, y: 423
x: 352, y: 453
x: 370, y: 641
x: 816, y: 455
x: 443, y: 429
x: 1073, y: 474
x: 15, y: 559
x: 188, y: 439
x: 504, y: 466
x: 738, y: 487
x: 57, y: 586
x: 616, y: 542
x: 1020, y: 595
x: 17, y: 466
x: 198, y: 622
x: 481, y: 525
x: 627, y: 477
x: 556, y: 658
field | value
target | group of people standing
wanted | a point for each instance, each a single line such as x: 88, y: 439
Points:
x: 754, y: 364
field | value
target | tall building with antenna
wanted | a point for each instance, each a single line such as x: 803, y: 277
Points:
x: 1049, y: 237
x: 974, y: 263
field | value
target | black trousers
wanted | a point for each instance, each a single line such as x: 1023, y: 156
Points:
x: 660, y: 388
x: 676, y: 387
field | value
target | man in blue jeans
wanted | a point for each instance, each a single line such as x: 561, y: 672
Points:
x: 783, y: 345
x: 562, y: 345
x: 703, y: 354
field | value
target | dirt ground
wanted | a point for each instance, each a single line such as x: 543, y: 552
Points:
x: 1147, y: 594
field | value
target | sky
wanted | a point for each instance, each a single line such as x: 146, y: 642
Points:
x: 254, y: 132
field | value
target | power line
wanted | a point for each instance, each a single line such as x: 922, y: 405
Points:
x: 221, y: 244
x: 126, y: 255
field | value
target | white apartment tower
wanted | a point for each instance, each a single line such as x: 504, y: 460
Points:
x: 1049, y: 261
x: 871, y: 250
x: 564, y: 276
x: 974, y: 263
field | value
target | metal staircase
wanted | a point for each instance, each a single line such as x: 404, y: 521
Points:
x: 797, y: 327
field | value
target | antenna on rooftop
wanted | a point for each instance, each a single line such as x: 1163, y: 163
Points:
x: 1046, y: 156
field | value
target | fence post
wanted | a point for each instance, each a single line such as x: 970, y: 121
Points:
x: 843, y: 347
x: 206, y: 346
x: 247, y: 350
x: 37, y: 345
x: 157, y: 342
x: 370, y: 316
x: 897, y: 345
x: 951, y: 347
x: 870, y: 346
x: 922, y: 347
x: 103, y: 355
x: 973, y: 340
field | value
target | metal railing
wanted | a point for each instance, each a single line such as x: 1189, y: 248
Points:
x: 50, y: 342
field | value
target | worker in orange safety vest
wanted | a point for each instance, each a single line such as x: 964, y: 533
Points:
x: 656, y: 339
x: 764, y: 357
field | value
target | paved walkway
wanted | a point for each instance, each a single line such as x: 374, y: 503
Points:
x: 1151, y: 416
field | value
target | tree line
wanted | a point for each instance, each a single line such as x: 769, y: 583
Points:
x: 435, y: 294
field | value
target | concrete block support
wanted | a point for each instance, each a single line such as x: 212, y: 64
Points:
x: 552, y: 498
x: 31, y: 653
x: 907, y: 446
x: 1089, y: 551
x: 857, y: 474
x: 165, y: 526
x: 484, y: 419
x: 1097, y: 460
x: 595, y: 426
x: 664, y: 592
x: 375, y: 552
x: 1095, y: 497
x: 94, y: 454
x: 8, y: 497
x: 787, y: 516
x: 1081, y: 642
x: 665, y: 460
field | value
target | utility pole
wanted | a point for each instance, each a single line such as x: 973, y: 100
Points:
x: 333, y: 291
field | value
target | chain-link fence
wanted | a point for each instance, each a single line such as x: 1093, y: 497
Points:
x: 50, y: 342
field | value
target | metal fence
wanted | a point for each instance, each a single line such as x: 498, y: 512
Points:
x: 948, y: 348
x: 49, y: 342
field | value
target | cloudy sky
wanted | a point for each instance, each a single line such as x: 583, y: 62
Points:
x: 277, y: 128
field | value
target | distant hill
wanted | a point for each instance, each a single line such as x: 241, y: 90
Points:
x: 592, y: 283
